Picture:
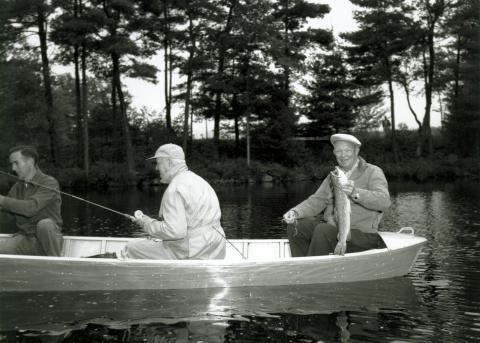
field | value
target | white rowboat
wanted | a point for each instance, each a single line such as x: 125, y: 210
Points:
x: 266, y: 263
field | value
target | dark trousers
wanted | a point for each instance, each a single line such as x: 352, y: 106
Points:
x: 313, y: 237
x: 48, y: 240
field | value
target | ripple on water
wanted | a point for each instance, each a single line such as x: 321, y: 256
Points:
x: 440, y: 302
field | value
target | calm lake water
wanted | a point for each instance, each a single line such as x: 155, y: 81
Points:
x: 439, y: 301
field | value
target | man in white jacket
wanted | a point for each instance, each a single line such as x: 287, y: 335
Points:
x: 189, y: 225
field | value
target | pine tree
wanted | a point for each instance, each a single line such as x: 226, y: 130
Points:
x: 18, y: 19
x: 333, y: 99
x: 385, y: 34
x: 463, y: 121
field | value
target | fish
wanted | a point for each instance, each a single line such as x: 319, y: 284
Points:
x: 342, y: 210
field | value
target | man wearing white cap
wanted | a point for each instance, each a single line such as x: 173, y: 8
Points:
x: 367, y: 190
x: 189, y: 225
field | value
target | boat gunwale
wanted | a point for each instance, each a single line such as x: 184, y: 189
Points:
x: 220, y: 262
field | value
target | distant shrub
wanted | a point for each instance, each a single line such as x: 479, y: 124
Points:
x: 309, y: 160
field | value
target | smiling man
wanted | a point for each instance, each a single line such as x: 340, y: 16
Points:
x: 189, y: 218
x: 35, y: 205
x: 367, y: 190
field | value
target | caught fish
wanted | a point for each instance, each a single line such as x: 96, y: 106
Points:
x: 342, y: 210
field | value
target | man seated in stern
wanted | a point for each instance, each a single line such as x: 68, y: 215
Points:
x: 367, y: 190
x: 34, y: 206
x: 189, y: 225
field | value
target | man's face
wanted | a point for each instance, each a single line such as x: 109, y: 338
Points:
x: 346, y: 154
x: 21, y: 165
x: 163, y: 166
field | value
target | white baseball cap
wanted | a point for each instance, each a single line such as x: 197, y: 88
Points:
x: 344, y: 137
x: 169, y: 150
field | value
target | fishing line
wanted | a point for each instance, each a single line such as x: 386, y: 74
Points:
x: 224, y: 237
x: 67, y: 194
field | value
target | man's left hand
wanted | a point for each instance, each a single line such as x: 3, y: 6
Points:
x: 340, y: 248
x: 348, y: 187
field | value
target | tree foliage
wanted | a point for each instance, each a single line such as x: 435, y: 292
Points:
x: 238, y: 62
x: 463, y: 122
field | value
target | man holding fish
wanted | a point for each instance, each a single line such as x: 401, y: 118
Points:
x: 352, y: 198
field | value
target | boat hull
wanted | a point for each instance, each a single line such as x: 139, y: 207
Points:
x: 35, y: 273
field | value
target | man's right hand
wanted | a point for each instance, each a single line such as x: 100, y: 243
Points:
x: 290, y: 217
x: 137, y: 218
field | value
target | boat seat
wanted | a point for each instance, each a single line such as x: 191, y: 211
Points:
x: 260, y: 249
x: 249, y: 248
x: 89, y: 246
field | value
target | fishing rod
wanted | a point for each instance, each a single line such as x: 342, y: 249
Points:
x: 138, y: 213
x: 67, y: 194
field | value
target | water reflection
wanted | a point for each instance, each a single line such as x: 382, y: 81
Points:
x: 209, y: 313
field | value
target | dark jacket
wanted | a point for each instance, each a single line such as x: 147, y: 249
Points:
x: 30, y: 203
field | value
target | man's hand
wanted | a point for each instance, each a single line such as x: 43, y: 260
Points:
x: 341, y: 248
x: 348, y: 187
x: 290, y: 217
x: 138, y: 218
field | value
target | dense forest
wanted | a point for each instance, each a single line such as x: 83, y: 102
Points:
x: 253, y: 67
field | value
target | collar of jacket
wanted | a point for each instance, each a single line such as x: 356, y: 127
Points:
x: 174, y: 171
x: 36, y: 177
x: 362, y: 166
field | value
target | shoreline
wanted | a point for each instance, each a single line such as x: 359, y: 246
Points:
x: 232, y: 172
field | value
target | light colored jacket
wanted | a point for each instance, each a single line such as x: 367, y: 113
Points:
x: 367, y: 210
x: 190, y: 219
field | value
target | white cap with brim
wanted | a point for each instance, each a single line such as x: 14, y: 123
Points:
x: 344, y: 137
x: 171, y: 151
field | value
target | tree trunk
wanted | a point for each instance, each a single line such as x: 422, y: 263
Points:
x: 457, y: 71
x: 248, y: 137
x: 78, y: 98
x: 111, y: 139
x: 218, y: 92
x: 189, y: 83
x: 435, y: 11
x: 123, y: 119
x: 248, y: 105
x: 286, y: 69
x: 427, y: 132
x: 191, y: 127
x: 47, y: 83
x: 187, y: 110
x: 168, y: 115
x: 236, y: 124
x: 392, y: 109
x: 78, y: 103
x: 418, y: 151
x: 170, y: 79
x: 86, y: 139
